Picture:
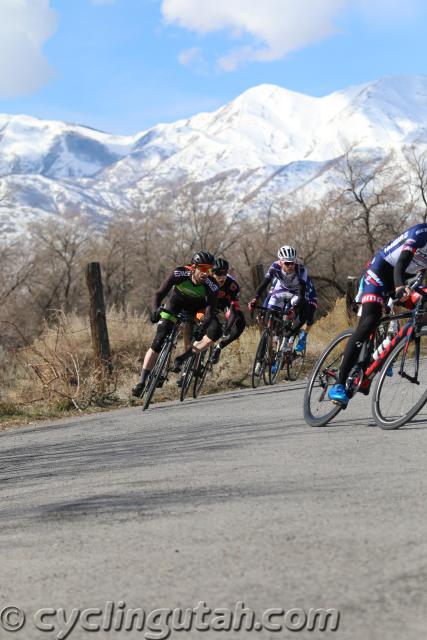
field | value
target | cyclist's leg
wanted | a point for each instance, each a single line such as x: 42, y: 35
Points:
x: 304, y: 323
x: 213, y: 333
x: 373, y: 296
x: 278, y: 299
x: 187, y: 334
x: 236, y: 330
x: 300, y: 320
x: 371, y: 314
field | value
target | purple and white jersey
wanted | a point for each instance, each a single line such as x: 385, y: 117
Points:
x: 413, y: 239
x: 286, y: 281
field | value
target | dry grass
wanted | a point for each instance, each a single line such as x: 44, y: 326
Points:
x: 328, y: 327
x: 54, y: 376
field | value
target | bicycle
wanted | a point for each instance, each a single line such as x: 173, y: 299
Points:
x: 205, y: 367
x: 196, y: 368
x: 287, y: 355
x: 400, y: 365
x: 159, y: 373
x: 270, y: 352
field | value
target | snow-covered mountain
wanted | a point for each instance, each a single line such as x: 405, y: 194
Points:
x: 267, y: 142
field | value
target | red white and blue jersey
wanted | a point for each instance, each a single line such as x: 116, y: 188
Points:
x: 413, y: 239
x: 395, y: 263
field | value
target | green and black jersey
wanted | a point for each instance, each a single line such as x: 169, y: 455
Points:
x: 186, y: 295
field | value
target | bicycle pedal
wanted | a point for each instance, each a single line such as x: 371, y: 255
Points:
x: 342, y: 405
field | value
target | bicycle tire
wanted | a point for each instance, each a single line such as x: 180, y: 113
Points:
x: 187, y: 374
x: 276, y: 359
x: 394, y: 400
x: 199, y: 379
x: 329, y: 372
x: 268, y: 359
x: 260, y: 358
x: 295, y: 364
x: 161, y: 364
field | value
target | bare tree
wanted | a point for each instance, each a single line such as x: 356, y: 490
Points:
x: 56, y: 257
x: 370, y: 187
x: 417, y: 161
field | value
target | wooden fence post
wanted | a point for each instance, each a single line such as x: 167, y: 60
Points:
x: 257, y: 274
x: 98, y: 320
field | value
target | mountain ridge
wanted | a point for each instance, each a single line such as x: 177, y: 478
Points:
x: 268, y: 140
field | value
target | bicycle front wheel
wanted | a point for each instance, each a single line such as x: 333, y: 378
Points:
x: 205, y: 366
x: 275, y: 361
x: 158, y: 371
x: 261, y: 360
x: 190, y: 366
x: 318, y: 409
x: 400, y: 390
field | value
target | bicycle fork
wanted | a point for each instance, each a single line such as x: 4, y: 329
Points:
x: 401, y: 372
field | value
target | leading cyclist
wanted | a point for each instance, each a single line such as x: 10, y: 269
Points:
x: 193, y: 290
x: 385, y: 276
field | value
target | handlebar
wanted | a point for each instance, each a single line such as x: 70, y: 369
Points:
x: 413, y: 284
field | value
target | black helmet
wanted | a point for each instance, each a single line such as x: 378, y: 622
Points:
x: 203, y: 257
x: 221, y: 266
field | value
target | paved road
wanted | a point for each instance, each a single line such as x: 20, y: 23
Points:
x: 228, y: 498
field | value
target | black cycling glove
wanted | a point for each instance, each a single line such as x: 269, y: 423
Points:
x: 155, y: 316
x: 199, y: 332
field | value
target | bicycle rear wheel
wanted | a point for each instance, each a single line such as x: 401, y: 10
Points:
x: 205, y: 367
x: 397, y: 397
x: 261, y: 360
x: 318, y: 409
x: 295, y: 363
x: 189, y: 368
x: 158, y: 370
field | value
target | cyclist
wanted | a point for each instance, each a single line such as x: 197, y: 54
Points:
x: 289, y: 282
x: 384, y: 277
x: 192, y: 290
x: 228, y: 302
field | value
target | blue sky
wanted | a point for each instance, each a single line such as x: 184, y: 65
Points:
x: 126, y: 65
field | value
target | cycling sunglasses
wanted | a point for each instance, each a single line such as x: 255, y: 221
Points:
x: 288, y: 263
x: 204, y: 268
x: 220, y: 273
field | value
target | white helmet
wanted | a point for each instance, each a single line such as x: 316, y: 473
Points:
x: 287, y: 253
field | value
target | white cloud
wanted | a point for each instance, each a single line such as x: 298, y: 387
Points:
x: 194, y: 59
x: 276, y: 27
x: 25, y: 25
x: 188, y: 56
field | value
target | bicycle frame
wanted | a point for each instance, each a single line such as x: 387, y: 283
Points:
x: 404, y: 333
x: 157, y: 375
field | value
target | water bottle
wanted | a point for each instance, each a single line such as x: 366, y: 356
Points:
x: 393, y: 328
x: 283, y: 344
x: 383, y: 346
